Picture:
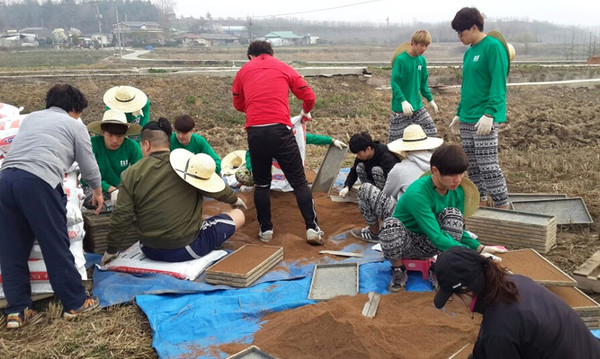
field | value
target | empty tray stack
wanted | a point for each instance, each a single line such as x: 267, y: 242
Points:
x: 513, y: 229
x: 244, y: 266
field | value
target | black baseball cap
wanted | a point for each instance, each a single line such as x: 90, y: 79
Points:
x: 458, y: 270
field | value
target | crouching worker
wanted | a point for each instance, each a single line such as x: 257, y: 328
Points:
x: 429, y: 217
x: 164, y: 193
x: 113, y: 151
x: 521, y: 319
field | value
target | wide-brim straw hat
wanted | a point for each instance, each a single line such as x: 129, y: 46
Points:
x: 414, y: 139
x: 509, y: 54
x: 403, y: 47
x: 231, y: 162
x: 472, y: 196
x: 197, y: 170
x: 115, y: 117
x: 125, y: 98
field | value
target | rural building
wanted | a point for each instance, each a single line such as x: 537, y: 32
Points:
x: 139, y: 32
x: 283, y: 38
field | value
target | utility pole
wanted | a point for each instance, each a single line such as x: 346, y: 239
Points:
x: 119, y: 34
x: 387, y: 37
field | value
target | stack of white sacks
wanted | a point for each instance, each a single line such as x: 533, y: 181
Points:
x: 10, y: 120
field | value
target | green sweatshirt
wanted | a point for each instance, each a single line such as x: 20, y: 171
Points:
x: 167, y: 210
x: 140, y: 120
x: 113, y: 163
x: 311, y: 139
x: 483, y: 89
x: 198, y: 144
x: 409, y: 81
x: 419, y: 207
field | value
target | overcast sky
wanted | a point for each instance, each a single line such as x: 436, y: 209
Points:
x: 566, y: 12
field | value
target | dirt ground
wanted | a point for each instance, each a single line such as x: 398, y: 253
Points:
x: 550, y: 144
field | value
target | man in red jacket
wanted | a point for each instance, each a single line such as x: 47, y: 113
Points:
x: 260, y: 89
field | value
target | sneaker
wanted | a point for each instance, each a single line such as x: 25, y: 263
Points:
x: 17, y: 320
x: 90, y: 303
x: 265, y: 236
x: 314, y: 236
x: 399, y: 277
x: 365, y: 234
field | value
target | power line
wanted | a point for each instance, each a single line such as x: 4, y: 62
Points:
x: 318, y: 10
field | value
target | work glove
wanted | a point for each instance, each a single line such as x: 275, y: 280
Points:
x: 339, y: 144
x: 493, y: 250
x: 407, y: 108
x: 305, y: 116
x: 493, y: 257
x: 107, y: 257
x: 113, y: 197
x: 344, y: 192
x: 455, y: 125
x: 484, y: 125
x: 239, y: 204
x: 434, y: 106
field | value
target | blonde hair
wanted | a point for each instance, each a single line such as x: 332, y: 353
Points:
x: 421, y: 37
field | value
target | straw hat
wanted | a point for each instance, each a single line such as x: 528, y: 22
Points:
x: 403, y: 47
x: 197, y: 170
x: 115, y: 117
x: 125, y: 98
x: 414, y: 139
x: 232, y: 161
x: 510, y: 54
x: 472, y: 196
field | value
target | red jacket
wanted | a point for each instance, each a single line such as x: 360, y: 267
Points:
x: 261, y: 89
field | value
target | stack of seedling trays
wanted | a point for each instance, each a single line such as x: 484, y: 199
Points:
x: 96, y: 230
x: 530, y: 263
x: 513, y: 229
x: 244, y: 266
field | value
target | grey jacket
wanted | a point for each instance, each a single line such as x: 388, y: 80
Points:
x: 406, y: 172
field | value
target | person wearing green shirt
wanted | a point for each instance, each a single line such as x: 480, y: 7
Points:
x: 482, y: 103
x: 409, y: 81
x: 114, y: 152
x: 429, y: 216
x: 130, y: 100
x: 185, y: 137
x: 244, y: 173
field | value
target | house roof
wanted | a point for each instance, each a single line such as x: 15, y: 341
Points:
x: 210, y: 36
x: 283, y: 35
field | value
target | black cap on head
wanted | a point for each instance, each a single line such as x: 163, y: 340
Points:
x: 458, y: 270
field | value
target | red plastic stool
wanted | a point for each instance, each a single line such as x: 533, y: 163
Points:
x: 419, y: 265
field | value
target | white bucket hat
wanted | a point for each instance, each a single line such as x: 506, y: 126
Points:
x: 115, y: 117
x: 231, y: 162
x: 125, y: 98
x: 197, y: 170
x: 414, y: 139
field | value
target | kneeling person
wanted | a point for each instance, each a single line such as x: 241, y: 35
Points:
x: 429, y: 217
x: 168, y: 211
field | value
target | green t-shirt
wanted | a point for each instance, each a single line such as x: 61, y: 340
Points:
x: 483, y: 89
x: 409, y: 81
x: 198, y: 144
x: 113, y: 163
x: 419, y: 207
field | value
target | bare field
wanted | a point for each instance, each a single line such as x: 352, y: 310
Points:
x: 550, y: 144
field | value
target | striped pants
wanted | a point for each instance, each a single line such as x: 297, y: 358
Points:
x: 374, y: 204
x: 398, y: 122
x: 484, y: 168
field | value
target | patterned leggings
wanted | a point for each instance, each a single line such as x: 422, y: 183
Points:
x: 397, y: 242
x: 484, y: 168
x: 376, y: 172
x: 398, y: 122
x: 374, y: 204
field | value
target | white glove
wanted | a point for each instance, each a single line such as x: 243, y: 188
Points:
x: 107, y: 257
x: 493, y: 257
x: 344, y: 192
x: 339, y: 144
x: 113, y: 197
x: 433, y: 106
x: 455, y: 125
x: 493, y: 250
x: 407, y: 108
x: 239, y: 204
x: 484, y: 125
x: 305, y: 116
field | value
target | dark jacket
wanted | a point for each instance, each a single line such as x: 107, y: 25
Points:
x: 382, y: 158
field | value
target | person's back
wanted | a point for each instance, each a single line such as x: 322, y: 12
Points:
x: 538, y: 325
x: 406, y: 172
